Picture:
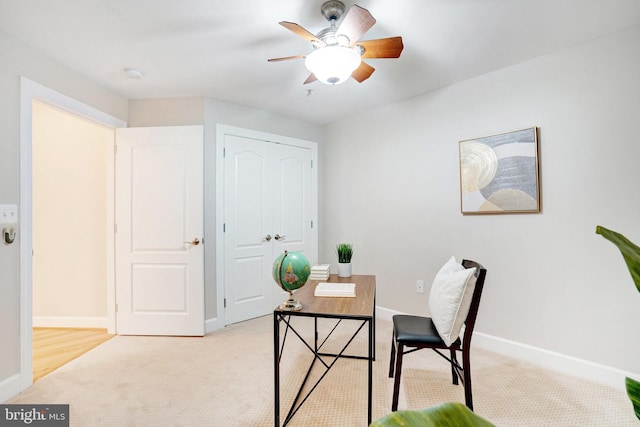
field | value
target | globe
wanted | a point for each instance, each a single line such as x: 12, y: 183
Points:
x: 291, y: 271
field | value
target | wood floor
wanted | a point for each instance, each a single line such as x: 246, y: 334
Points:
x: 55, y: 347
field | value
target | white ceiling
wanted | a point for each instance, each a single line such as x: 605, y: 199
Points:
x: 219, y: 49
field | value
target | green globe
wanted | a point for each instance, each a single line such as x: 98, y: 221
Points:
x: 291, y: 270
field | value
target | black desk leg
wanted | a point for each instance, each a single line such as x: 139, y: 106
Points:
x: 373, y: 342
x: 315, y: 334
x: 276, y: 369
x: 370, y: 362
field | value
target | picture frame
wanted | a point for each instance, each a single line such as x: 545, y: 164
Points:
x: 499, y: 173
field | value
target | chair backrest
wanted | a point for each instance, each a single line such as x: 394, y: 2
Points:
x: 470, y: 322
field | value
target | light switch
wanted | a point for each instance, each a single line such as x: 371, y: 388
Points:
x: 8, y: 214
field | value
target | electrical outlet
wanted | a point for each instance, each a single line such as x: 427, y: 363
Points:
x: 420, y: 286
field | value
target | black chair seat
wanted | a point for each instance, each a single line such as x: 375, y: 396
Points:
x: 407, y: 328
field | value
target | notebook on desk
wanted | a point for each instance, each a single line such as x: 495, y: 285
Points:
x: 335, y: 290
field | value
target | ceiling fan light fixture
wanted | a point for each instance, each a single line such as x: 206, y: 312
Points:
x: 338, y: 50
x: 332, y: 65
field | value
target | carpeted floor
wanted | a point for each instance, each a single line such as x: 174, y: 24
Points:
x: 226, y: 379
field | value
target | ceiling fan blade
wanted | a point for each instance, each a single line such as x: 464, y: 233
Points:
x: 305, y: 34
x: 286, y: 58
x: 363, y: 72
x: 312, y: 78
x: 356, y: 22
x: 382, y: 48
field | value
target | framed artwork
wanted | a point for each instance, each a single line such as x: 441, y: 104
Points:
x: 499, y: 173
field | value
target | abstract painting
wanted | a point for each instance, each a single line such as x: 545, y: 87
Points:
x: 499, y: 173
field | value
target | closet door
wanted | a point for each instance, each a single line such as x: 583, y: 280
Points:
x: 267, y: 209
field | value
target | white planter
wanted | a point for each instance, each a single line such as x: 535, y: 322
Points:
x: 344, y: 269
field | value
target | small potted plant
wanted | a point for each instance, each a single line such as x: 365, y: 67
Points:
x: 345, y: 252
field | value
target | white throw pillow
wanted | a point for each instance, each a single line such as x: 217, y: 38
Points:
x: 450, y: 299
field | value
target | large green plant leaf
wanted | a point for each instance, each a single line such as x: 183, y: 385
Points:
x: 633, y: 391
x: 631, y: 255
x: 450, y: 414
x: 630, y: 252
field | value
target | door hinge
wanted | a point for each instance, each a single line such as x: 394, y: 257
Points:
x: 116, y: 308
x: 115, y: 228
x: 311, y: 164
x: 115, y: 148
x: 224, y: 227
x: 224, y: 152
x: 225, y: 303
x: 311, y: 223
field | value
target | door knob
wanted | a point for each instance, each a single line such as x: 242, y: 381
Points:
x: 279, y: 237
x: 267, y: 238
x: 195, y: 242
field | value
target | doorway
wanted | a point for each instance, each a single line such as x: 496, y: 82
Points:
x: 70, y: 179
x: 30, y: 92
x: 70, y: 208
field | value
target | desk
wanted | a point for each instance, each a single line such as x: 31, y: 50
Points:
x: 361, y: 308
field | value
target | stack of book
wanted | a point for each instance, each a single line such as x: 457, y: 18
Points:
x: 320, y: 272
x: 335, y: 290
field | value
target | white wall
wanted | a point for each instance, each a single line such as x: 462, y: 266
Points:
x: 166, y: 112
x: 391, y: 187
x: 70, y: 207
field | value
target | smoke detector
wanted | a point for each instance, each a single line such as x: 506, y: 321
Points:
x: 133, y: 73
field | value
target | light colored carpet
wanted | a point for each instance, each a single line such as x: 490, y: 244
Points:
x: 226, y: 379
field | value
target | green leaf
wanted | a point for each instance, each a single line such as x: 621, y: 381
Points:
x: 630, y: 252
x: 450, y: 414
x: 633, y: 391
x: 344, y: 251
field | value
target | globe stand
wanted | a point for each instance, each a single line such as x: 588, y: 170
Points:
x: 290, y: 304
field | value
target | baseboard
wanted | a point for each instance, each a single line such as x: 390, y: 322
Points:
x: 9, y: 387
x: 69, y: 322
x: 558, y: 362
x: 211, y: 325
x: 385, y: 313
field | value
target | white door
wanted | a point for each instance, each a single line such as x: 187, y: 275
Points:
x: 159, y: 231
x: 267, y: 209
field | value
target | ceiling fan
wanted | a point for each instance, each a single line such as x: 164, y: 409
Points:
x: 337, y: 50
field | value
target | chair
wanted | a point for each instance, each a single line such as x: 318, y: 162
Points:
x: 412, y: 333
